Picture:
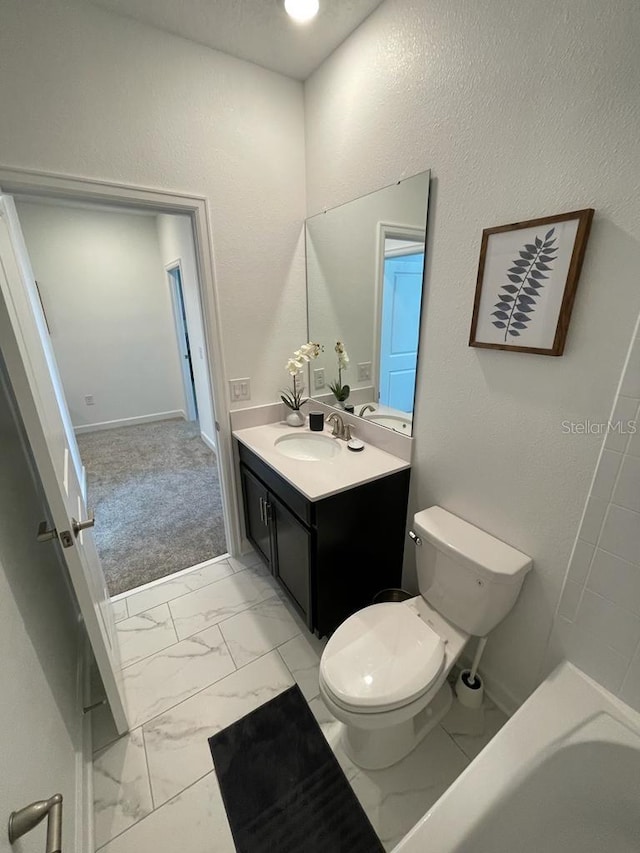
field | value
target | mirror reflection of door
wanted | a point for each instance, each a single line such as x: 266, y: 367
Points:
x: 364, y: 262
x: 400, y: 324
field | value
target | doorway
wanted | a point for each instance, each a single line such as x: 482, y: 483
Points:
x: 174, y: 274
x: 32, y: 370
x: 400, y: 327
x: 122, y: 338
x: 185, y: 430
x: 401, y: 257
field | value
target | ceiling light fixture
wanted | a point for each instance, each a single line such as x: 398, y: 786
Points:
x: 302, y: 11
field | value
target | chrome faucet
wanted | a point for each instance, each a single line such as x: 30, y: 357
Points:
x: 340, y: 429
x: 366, y: 408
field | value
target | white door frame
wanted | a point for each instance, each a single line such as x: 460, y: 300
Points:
x: 397, y: 232
x: 46, y: 185
x: 182, y: 333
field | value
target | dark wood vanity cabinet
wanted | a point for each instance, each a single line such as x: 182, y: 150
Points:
x: 333, y: 555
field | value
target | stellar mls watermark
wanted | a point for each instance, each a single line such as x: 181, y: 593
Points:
x: 599, y: 427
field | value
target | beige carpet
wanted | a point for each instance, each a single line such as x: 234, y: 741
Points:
x: 156, y: 495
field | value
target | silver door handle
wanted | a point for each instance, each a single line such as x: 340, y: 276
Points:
x: 79, y: 526
x: 26, y: 819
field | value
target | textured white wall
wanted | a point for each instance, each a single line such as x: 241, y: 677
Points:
x: 521, y: 110
x: 86, y: 92
x: 176, y: 244
x: 40, y: 711
x: 108, y: 304
x: 597, y: 625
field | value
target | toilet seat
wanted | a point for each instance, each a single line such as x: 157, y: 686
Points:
x: 383, y: 657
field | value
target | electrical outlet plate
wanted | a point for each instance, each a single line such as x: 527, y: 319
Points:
x: 240, y: 389
x: 318, y: 378
x: 89, y: 401
x: 364, y: 371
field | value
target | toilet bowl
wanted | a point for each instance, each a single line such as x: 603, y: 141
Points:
x: 383, y: 673
x: 381, y: 669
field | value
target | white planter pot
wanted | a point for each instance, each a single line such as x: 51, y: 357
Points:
x: 295, y: 418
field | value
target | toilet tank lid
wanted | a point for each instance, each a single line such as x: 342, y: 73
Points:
x: 462, y: 541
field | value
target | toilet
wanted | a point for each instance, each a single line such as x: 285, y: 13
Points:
x: 384, y: 671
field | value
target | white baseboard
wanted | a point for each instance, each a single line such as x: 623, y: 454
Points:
x: 208, y: 441
x: 140, y: 419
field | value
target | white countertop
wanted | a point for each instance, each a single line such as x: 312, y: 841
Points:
x: 317, y: 480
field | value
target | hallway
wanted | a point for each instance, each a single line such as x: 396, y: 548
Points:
x: 156, y: 495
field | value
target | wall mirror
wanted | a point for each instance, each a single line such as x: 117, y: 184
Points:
x: 365, y: 272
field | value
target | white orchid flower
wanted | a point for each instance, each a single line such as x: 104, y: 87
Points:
x: 293, y: 366
x: 343, y: 358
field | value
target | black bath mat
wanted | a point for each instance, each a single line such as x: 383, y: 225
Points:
x: 282, y: 786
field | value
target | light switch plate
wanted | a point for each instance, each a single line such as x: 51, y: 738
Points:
x: 318, y: 378
x: 89, y: 400
x: 240, y: 389
x: 364, y: 371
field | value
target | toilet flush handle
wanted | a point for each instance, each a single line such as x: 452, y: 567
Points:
x: 414, y: 536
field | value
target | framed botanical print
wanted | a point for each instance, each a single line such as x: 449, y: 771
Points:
x: 527, y: 279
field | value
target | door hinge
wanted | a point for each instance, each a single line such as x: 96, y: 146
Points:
x: 217, y: 426
x: 48, y: 534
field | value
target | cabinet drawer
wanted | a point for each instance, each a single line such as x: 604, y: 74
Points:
x: 290, y: 496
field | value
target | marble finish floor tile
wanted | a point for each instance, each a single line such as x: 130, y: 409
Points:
x: 168, y: 677
x: 176, y: 742
x: 193, y: 822
x: 302, y: 657
x: 142, y: 635
x: 238, y: 564
x: 120, y: 610
x: 332, y: 729
x: 121, y: 790
x: 252, y: 633
x: 473, y: 740
x: 175, y: 587
x: 396, y: 798
x: 220, y: 600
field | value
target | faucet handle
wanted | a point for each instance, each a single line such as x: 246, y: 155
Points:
x: 347, y: 432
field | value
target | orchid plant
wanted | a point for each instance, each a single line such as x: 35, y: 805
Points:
x: 340, y: 391
x: 293, y: 397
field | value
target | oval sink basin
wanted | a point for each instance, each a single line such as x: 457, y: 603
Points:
x: 307, y: 446
x: 399, y: 424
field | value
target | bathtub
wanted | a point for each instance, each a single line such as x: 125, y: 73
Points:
x: 562, y: 776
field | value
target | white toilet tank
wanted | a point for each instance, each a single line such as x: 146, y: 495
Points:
x: 467, y: 575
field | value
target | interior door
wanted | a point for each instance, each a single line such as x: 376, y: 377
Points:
x: 33, y: 373
x: 399, y: 330
x: 184, y: 347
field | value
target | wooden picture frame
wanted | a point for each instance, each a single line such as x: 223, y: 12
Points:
x: 527, y: 279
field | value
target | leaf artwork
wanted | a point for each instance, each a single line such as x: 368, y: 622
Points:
x: 517, y: 300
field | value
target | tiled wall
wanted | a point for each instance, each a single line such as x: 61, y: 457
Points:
x: 597, y: 625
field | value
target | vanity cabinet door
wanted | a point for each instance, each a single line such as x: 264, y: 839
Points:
x: 256, y: 516
x: 292, y: 557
